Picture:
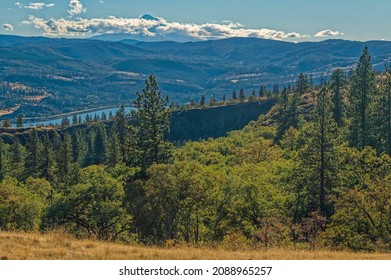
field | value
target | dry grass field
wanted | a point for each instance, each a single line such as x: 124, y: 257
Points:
x: 59, y: 246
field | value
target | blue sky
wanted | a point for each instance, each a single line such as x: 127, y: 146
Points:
x: 290, y: 20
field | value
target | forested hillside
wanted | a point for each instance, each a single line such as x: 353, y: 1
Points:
x: 48, y: 76
x: 314, y: 173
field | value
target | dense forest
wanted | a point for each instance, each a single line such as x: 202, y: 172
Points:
x: 314, y: 172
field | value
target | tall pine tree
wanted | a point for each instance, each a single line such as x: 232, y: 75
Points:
x: 150, y: 126
x: 360, y: 97
x: 337, y: 84
x: 318, y: 159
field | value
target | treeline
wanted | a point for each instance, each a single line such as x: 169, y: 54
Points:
x: 314, y: 180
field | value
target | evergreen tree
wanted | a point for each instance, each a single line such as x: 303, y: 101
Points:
x: 234, y: 95
x: 74, y: 120
x: 79, y: 147
x: 242, y: 95
x: 100, y: 143
x: 34, y: 155
x: 113, y: 156
x: 49, y: 162
x: 150, y: 126
x: 56, y: 140
x: 111, y: 115
x: 302, y: 84
x: 276, y: 90
x: 18, y: 155
x: 311, y: 80
x: 104, y: 117
x: 19, y: 121
x: 64, y: 161
x: 120, y: 123
x: 65, y: 122
x: 282, y: 114
x: 80, y: 120
x: 294, y: 110
x: 90, y: 138
x: 202, y: 102
x: 253, y: 95
x: 262, y: 91
x: 6, y: 123
x: 318, y: 159
x: 360, y: 97
x: 337, y: 83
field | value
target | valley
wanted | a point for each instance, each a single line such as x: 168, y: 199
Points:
x: 46, y: 76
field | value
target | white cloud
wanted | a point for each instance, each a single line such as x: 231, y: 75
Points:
x: 76, y: 8
x: 154, y: 27
x: 8, y: 27
x: 327, y: 33
x: 34, y: 5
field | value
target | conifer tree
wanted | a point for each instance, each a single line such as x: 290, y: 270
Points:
x: 202, y: 102
x: 318, y: 159
x: 150, y: 126
x: 100, y: 143
x: 65, y: 122
x: 64, y: 160
x: 90, y: 138
x: 253, y: 95
x: 48, y: 161
x: 294, y: 110
x: 6, y: 123
x: 79, y: 147
x: 242, y: 95
x: 234, y: 95
x: 302, y: 84
x: 74, y: 120
x: 17, y: 160
x: 19, y: 121
x: 262, y: 91
x: 120, y: 124
x: 276, y: 90
x: 337, y: 83
x: 360, y: 97
x: 113, y: 156
x: 282, y: 114
x: 34, y: 155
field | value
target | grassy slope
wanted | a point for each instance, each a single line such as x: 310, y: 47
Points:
x: 57, y: 246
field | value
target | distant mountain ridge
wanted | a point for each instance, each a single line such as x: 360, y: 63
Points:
x: 77, y: 74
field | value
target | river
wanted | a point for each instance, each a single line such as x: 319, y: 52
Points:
x: 57, y: 121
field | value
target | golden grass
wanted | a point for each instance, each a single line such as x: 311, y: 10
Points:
x: 59, y: 246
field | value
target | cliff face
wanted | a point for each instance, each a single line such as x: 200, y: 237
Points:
x: 193, y: 124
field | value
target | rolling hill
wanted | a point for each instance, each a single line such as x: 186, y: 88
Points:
x: 42, y: 76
